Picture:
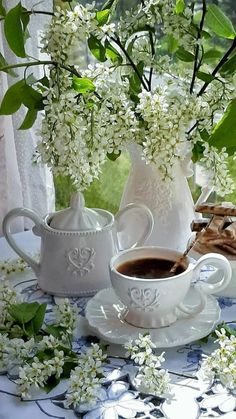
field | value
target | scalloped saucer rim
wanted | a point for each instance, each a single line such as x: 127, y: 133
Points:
x: 104, y: 314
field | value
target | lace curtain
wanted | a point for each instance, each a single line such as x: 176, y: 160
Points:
x: 23, y: 183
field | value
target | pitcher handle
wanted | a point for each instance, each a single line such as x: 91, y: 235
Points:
x: 21, y: 212
x: 145, y: 228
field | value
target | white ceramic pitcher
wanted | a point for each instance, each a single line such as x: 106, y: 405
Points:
x: 78, y: 243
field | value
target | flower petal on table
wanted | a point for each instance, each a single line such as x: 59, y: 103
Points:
x: 228, y: 404
x: 230, y: 415
x: 116, y: 389
x: 109, y: 413
x: 95, y: 414
x: 129, y: 408
x: 216, y: 400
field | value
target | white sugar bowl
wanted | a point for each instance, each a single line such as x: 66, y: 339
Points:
x: 77, y: 244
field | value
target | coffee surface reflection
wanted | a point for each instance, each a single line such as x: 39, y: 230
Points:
x: 149, y: 268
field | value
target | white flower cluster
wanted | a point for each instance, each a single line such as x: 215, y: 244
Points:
x: 86, y: 379
x: 154, y: 12
x: 14, y: 351
x: 151, y: 377
x: 66, y: 315
x: 216, y: 165
x: 77, y: 132
x: 38, y: 372
x: 221, y: 364
x: 178, y: 25
x: 8, y: 296
x: 9, y: 266
x: 68, y: 28
x: 166, y: 113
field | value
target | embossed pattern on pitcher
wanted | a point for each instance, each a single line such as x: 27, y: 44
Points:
x: 80, y: 260
x: 144, y: 299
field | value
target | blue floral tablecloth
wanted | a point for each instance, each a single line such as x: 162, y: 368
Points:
x: 118, y: 398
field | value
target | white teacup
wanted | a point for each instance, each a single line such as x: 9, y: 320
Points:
x: 153, y: 303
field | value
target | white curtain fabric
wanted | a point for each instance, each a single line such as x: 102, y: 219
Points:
x: 22, y: 182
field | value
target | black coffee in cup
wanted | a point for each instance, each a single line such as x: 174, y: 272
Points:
x: 149, y: 268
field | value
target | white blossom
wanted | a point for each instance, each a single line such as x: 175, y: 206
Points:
x: 37, y: 374
x: 86, y: 378
x: 66, y: 316
x: 216, y: 166
x: 221, y: 364
x: 151, y: 377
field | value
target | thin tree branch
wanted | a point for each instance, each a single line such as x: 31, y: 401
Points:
x: 28, y: 64
x: 153, y: 54
x: 118, y: 42
x: 223, y: 60
x: 192, y: 128
x: 39, y: 12
x: 199, y: 33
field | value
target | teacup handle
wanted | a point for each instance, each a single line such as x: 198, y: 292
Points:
x: 6, y: 227
x: 145, y: 227
x: 205, y: 288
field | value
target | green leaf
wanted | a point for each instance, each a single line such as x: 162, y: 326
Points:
x: 184, y: 55
x: 25, y: 17
x: 31, y: 98
x: 229, y: 67
x: 204, y: 134
x: 96, y: 48
x: 29, y: 120
x: 224, y: 133
x: 14, y: 31
x: 12, y: 100
x: 23, y: 312
x: 205, y: 76
x: 172, y: 44
x: 180, y: 5
x: 212, y: 54
x: 112, y: 53
x: 31, y: 79
x: 55, y: 331
x: 2, y: 9
x: 206, y: 34
x: 197, y: 151
x: 67, y: 368
x: 102, y: 16
x: 135, y: 81
x: 29, y: 329
x: 44, y: 81
x: 39, y: 317
x: 113, y: 156
x: 108, y: 4
x: 219, y: 23
x: 52, y: 382
x: 4, y: 63
x: 83, y: 85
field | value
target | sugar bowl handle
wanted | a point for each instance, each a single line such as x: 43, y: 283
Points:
x: 134, y: 224
x: 6, y: 227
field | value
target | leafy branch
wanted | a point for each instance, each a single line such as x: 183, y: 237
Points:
x: 119, y: 44
x: 223, y: 60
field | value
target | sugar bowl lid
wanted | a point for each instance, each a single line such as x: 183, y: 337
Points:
x: 77, y: 217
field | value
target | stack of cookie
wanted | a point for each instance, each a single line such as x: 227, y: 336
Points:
x: 217, y: 233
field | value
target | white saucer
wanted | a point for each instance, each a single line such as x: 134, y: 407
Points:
x: 104, y: 314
